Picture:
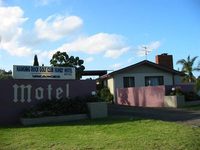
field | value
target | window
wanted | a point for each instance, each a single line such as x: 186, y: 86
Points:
x: 154, y: 80
x: 129, y: 82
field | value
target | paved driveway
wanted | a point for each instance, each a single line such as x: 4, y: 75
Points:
x: 165, y: 114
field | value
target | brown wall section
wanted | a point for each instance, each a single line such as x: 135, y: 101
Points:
x: 12, y: 103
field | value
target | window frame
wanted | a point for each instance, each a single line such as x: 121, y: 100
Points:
x: 125, y: 85
x: 160, y: 80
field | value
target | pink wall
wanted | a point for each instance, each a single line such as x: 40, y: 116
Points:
x: 143, y: 96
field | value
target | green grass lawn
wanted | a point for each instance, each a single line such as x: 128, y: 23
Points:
x: 102, y: 134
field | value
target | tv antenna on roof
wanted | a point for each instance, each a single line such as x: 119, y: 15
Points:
x: 146, y: 51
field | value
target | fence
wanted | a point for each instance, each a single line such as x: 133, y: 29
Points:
x: 151, y: 96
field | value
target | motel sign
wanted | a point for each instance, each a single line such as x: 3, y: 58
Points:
x: 24, y: 93
x: 43, y: 72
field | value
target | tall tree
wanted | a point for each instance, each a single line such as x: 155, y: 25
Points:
x: 62, y: 59
x: 35, y: 63
x: 188, y: 68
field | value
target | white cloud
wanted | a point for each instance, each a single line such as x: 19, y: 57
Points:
x: 89, y: 59
x: 116, y: 66
x: 14, y: 39
x: 149, y: 48
x: 11, y: 29
x: 116, y: 53
x: 44, y: 2
x: 10, y: 22
x: 56, y: 27
x: 14, y: 49
x: 110, y: 44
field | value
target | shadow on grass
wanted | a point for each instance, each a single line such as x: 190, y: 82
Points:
x: 122, y: 114
x: 85, y: 122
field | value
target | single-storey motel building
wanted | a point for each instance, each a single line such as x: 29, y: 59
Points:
x: 144, y: 73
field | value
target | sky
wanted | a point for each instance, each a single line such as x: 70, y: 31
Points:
x: 106, y: 34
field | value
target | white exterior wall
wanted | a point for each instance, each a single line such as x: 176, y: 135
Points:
x: 110, y: 85
x: 139, y: 74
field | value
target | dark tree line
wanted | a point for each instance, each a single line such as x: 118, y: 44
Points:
x: 5, y: 74
x: 62, y: 59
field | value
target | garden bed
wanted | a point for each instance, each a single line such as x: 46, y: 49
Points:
x: 57, y: 111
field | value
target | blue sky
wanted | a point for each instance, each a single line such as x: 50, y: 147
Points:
x: 107, y: 34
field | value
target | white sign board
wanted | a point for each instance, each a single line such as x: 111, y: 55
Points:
x: 43, y: 72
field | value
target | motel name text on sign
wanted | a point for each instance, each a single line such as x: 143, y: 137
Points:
x: 43, y: 72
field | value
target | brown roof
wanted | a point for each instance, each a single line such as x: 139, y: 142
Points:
x: 145, y: 62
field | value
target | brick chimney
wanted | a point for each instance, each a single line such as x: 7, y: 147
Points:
x: 165, y: 60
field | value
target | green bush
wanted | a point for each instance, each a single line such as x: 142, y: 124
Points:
x: 191, y: 96
x: 176, y: 91
x: 57, y: 107
x: 105, y: 94
x: 5, y: 74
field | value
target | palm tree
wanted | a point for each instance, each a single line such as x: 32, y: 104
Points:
x: 187, y: 68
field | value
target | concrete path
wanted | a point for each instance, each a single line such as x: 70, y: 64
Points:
x: 165, y: 114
